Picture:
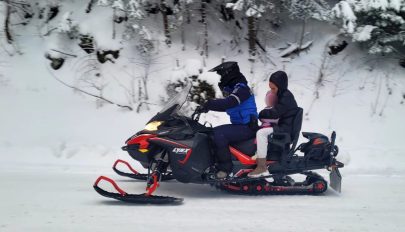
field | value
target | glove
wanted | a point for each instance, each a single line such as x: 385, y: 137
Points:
x: 262, y: 114
x: 201, y: 109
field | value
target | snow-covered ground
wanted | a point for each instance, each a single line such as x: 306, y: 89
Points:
x: 49, y: 200
x: 54, y: 143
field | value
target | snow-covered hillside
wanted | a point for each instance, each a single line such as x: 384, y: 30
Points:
x: 54, y: 142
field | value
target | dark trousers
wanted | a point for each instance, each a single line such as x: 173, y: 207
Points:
x: 224, y: 135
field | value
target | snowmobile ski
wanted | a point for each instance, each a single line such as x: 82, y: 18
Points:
x: 134, y: 198
x: 135, y: 174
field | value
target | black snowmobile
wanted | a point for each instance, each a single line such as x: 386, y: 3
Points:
x: 174, y: 146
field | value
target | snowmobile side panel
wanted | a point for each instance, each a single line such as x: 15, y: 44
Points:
x: 188, y: 162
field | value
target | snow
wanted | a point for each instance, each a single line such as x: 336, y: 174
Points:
x: 66, y: 24
x: 396, y: 4
x: 104, y: 2
x: 291, y: 48
x: 344, y: 10
x: 363, y: 33
x: 237, y: 5
x: 135, y: 9
x: 54, y: 142
x: 379, y: 4
x: 251, y: 12
x: 45, y: 200
x: 193, y: 67
x: 100, y: 28
x: 118, y: 4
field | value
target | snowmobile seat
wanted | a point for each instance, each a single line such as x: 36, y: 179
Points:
x: 311, y: 135
x: 248, y: 147
x: 281, y: 144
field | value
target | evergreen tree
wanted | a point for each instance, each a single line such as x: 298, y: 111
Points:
x: 304, y: 10
x: 380, y: 24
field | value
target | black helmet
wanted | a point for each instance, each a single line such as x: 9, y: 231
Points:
x: 230, y: 74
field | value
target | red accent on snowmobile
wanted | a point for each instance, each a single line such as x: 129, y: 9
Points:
x: 186, y: 158
x: 122, y: 192
x: 243, y: 171
x: 177, y: 144
x: 245, y: 159
x: 319, y: 186
x: 134, y: 198
x: 232, y: 187
x: 154, y: 186
x: 126, y: 164
x: 135, y: 174
x: 142, y: 140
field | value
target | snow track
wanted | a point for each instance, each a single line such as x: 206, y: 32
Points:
x: 41, y: 200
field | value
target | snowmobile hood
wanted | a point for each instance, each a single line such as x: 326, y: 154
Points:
x: 230, y: 74
x: 280, y: 79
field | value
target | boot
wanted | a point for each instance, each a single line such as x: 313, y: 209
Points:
x: 221, y: 175
x: 261, y: 168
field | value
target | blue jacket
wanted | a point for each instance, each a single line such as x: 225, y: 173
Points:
x: 240, y: 105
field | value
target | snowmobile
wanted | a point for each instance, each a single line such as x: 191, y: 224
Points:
x: 176, y: 146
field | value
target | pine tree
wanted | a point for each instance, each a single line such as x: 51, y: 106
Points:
x: 380, y: 24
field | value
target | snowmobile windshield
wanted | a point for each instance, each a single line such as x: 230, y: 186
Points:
x: 174, y: 105
x: 178, y: 100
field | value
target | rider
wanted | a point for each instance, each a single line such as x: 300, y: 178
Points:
x: 239, y: 103
x: 284, y: 110
x: 286, y: 107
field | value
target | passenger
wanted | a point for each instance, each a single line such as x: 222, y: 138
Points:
x: 239, y: 103
x: 284, y: 110
x: 262, y: 138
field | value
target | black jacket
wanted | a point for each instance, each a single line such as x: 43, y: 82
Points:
x: 286, y: 106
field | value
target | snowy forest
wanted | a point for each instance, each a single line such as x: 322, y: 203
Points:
x: 100, y: 35
x: 78, y: 78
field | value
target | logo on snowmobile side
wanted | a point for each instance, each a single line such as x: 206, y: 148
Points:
x: 178, y: 150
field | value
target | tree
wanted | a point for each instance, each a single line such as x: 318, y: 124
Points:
x: 379, y: 24
x: 205, y: 25
x: 304, y: 10
x: 13, y: 13
x: 253, y: 10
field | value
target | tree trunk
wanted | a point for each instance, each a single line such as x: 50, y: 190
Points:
x: 304, y: 24
x: 7, y: 23
x: 90, y: 6
x: 252, y: 36
x: 163, y: 9
x: 113, y: 24
x: 205, y: 24
x: 184, y: 9
x: 188, y: 15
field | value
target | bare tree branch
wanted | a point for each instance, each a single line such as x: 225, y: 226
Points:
x: 90, y: 94
x: 64, y: 53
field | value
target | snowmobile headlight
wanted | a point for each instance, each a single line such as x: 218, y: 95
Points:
x: 153, y: 126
